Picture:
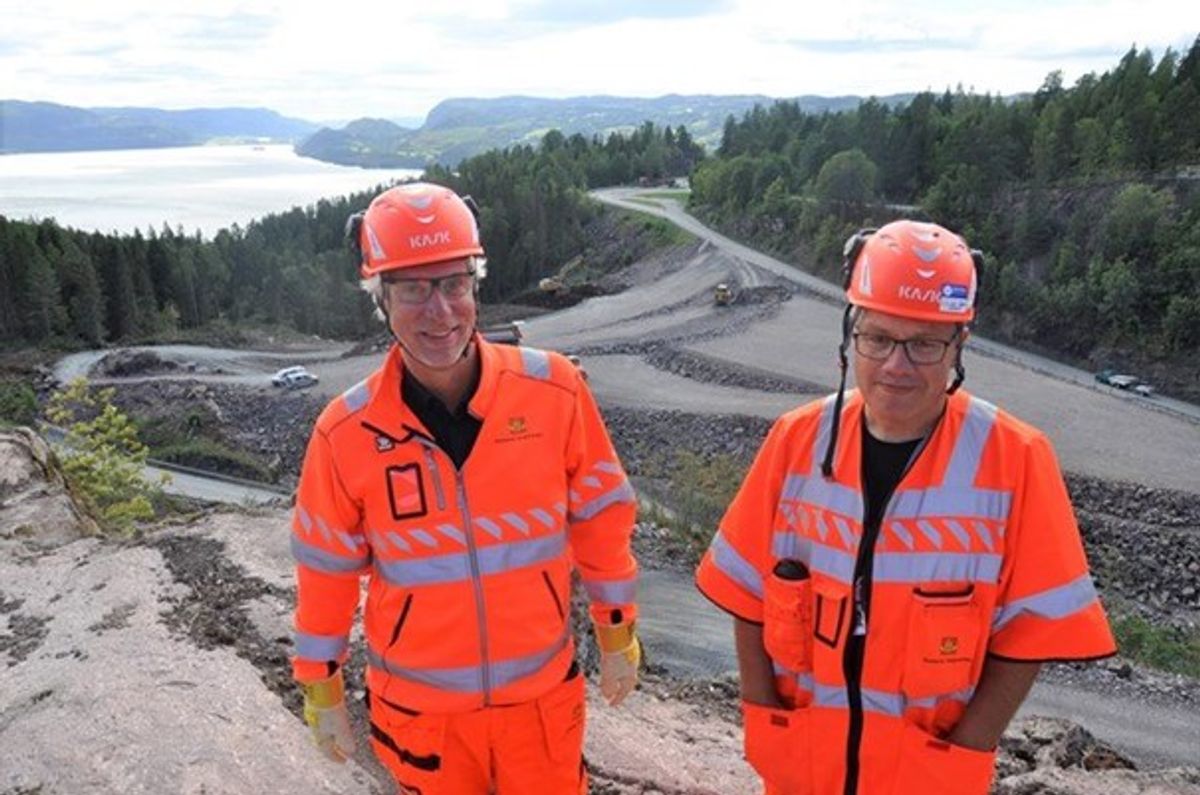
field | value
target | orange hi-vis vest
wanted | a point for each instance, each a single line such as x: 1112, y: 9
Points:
x: 468, y: 603
x: 977, y: 553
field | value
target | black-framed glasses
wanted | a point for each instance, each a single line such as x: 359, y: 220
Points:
x: 418, y: 291
x: 919, y: 350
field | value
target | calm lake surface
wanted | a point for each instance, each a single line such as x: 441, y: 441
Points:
x: 201, y: 188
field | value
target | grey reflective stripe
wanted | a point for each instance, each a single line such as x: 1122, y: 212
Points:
x: 616, y: 592
x: 930, y: 532
x: 560, y: 508
x: 489, y: 527
x: 357, y: 396
x: 968, y: 447
x: 823, y: 428
x: 843, y: 528
x: 435, y: 474
x: 734, y: 566
x: 803, y: 680
x: 611, y: 467
x: 915, y: 567
x: 830, y: 696
x: 831, y: 562
x: 821, y: 493
x: 950, y: 501
x: 452, y: 532
x: 543, y: 517
x: 620, y: 493
x: 959, y: 533
x: 398, y: 541
x: 932, y: 702
x: 536, y: 363
x: 902, y: 533
x: 320, y: 647
x: 822, y: 530
x: 516, y: 521
x: 883, y: 702
x: 305, y: 520
x: 456, y: 567
x: 984, y: 534
x: 593, y: 481
x: 469, y: 679
x: 423, y: 537
x: 319, y: 560
x: 1060, y: 602
x: 324, y: 528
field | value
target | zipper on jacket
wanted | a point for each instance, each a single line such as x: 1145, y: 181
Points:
x: 476, y: 585
x: 860, y: 611
x: 436, y: 474
x: 553, y: 594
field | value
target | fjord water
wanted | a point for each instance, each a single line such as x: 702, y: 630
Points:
x: 201, y: 188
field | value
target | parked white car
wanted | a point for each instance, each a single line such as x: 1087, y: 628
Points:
x: 294, y: 378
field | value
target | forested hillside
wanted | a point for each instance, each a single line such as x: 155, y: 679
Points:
x: 69, y: 287
x: 1085, y: 198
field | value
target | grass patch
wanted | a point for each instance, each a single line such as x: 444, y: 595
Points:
x: 1172, y: 649
x: 699, y: 491
x: 209, y: 454
x: 18, y: 403
x: 660, y: 231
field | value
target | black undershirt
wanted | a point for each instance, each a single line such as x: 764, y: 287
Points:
x: 883, y: 464
x: 453, y: 431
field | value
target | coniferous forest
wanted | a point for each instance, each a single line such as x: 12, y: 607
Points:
x: 1086, y: 200
x: 68, y: 287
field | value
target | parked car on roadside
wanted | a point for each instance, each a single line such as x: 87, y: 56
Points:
x: 294, y: 378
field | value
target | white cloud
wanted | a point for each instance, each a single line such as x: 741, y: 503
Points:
x: 398, y: 59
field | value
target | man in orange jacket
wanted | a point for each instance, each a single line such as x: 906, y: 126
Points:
x: 466, y: 480
x: 901, y: 560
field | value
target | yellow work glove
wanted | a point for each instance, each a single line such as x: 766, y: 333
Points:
x: 325, y: 713
x: 620, y: 655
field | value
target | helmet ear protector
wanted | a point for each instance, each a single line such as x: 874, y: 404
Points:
x: 850, y: 251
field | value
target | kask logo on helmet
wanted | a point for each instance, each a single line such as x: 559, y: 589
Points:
x: 427, y: 240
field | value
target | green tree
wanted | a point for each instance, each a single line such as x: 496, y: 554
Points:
x: 102, y: 455
x: 846, y: 183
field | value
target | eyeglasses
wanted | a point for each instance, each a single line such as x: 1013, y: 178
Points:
x: 418, y: 291
x: 919, y: 351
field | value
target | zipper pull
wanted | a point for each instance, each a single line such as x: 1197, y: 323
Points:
x: 860, y: 615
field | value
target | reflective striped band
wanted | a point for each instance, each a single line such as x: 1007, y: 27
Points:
x: 884, y: 702
x: 322, y: 560
x: 456, y: 567
x: 892, y: 567
x: 357, y: 396
x: 469, y: 678
x: 730, y: 562
x: 536, y: 363
x: 623, y: 492
x: 977, y: 426
x: 956, y: 501
x: 320, y: 647
x: 822, y: 493
x: 1060, y: 602
x: 613, y: 592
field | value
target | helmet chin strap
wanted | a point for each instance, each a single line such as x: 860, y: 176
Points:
x: 843, y: 364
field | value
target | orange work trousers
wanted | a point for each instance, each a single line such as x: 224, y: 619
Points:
x: 507, y: 750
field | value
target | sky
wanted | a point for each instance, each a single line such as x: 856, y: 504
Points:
x: 335, y: 61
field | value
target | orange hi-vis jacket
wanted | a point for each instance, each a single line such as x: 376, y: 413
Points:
x: 468, y: 603
x: 977, y: 553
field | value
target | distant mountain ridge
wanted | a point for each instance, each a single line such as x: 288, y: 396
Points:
x: 459, y: 128
x: 49, y: 127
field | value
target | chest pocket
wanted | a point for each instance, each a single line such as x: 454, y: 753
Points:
x: 945, y: 627
x: 406, y: 491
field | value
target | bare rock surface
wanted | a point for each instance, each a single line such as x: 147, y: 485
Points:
x: 36, y: 507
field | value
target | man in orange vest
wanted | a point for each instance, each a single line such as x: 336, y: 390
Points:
x: 901, y: 560
x: 466, y: 480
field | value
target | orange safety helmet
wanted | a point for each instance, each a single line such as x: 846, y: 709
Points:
x: 415, y: 224
x: 911, y: 269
